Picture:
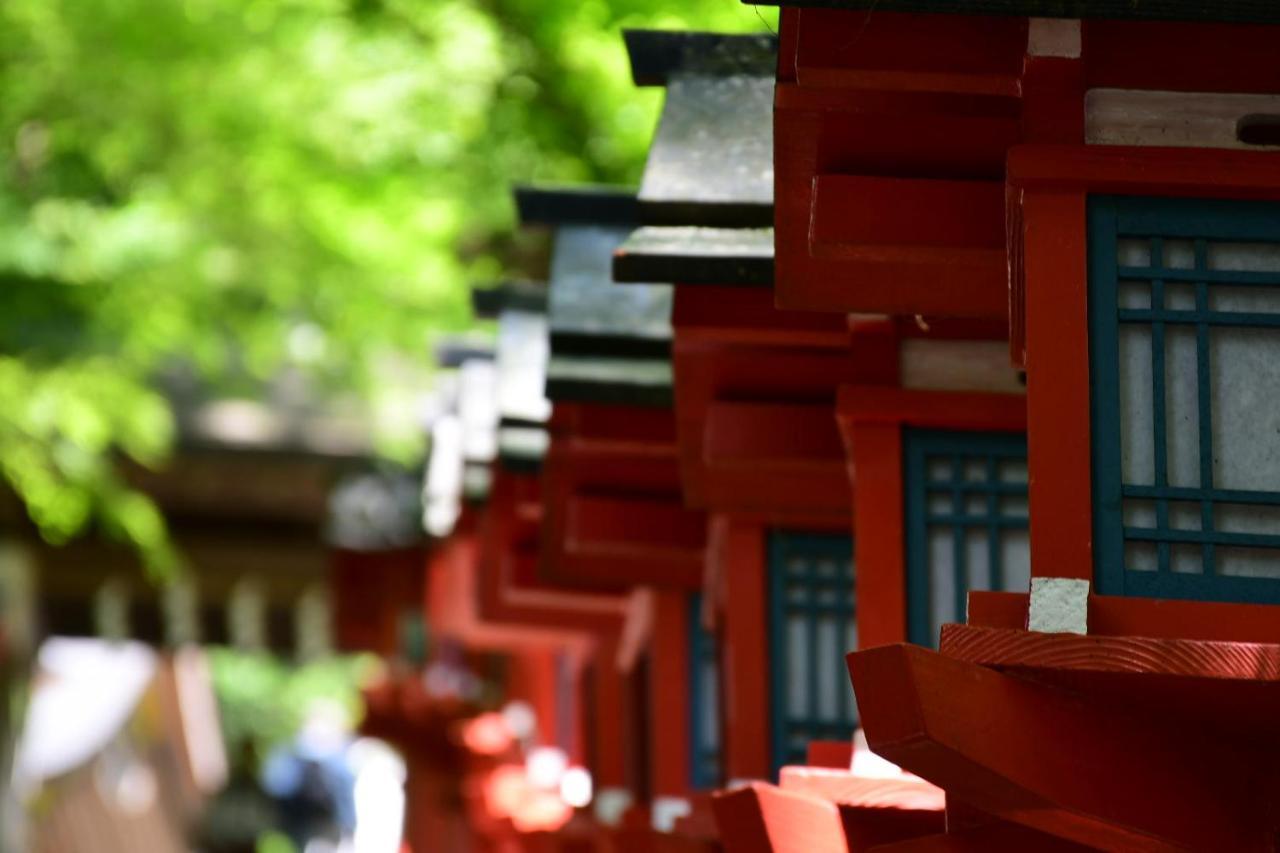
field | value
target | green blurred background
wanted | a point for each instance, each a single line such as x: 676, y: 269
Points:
x: 228, y: 189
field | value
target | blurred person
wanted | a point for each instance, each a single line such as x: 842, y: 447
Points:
x: 312, y: 784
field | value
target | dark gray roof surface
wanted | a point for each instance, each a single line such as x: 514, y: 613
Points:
x: 657, y: 54
x: 489, y: 300
x: 620, y: 381
x: 691, y: 255
x: 711, y: 162
x: 586, y: 204
x: 589, y: 313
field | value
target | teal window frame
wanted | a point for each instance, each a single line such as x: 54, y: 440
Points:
x: 958, y: 450
x: 704, y: 672
x: 1201, y: 221
x: 798, y: 594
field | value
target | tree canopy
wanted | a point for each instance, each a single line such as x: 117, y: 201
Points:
x: 236, y: 187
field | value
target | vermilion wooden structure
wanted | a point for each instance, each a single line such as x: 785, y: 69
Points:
x: 614, y: 514
x: 910, y: 387
x: 951, y: 166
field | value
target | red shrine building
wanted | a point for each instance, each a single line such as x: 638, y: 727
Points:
x: 894, y: 469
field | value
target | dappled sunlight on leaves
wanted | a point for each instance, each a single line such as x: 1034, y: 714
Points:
x: 186, y: 185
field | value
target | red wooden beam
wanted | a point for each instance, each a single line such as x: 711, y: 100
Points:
x: 1143, y: 617
x: 1141, y: 656
x: 998, y: 837
x: 909, y: 53
x: 1046, y: 758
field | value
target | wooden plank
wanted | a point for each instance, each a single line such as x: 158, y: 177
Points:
x: 845, y: 788
x: 761, y: 818
x: 1031, y: 650
x: 999, y: 837
x: 1084, y: 771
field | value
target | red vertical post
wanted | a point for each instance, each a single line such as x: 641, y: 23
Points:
x: 879, y: 537
x: 746, y: 654
x: 1058, y: 444
x: 669, y: 694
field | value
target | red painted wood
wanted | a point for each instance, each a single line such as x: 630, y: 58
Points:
x: 1143, y: 617
x: 1180, y: 56
x: 508, y: 588
x: 1048, y: 188
x: 669, y: 700
x: 1031, y: 650
x: 747, y: 315
x: 1084, y: 771
x: 755, y: 428
x: 834, y: 754
x: 998, y: 609
x: 614, y: 512
x: 745, y: 655
x: 909, y: 53
x: 962, y: 410
x: 1196, y: 172
x: 869, y: 119
x: 604, y: 717
x: 909, y: 221
x: 761, y: 818
x: 372, y: 590
x: 871, y: 420
x: 1058, y: 446
x: 875, y: 453
x: 747, y: 433
x: 1053, y: 100
x: 1000, y: 837
x: 843, y: 787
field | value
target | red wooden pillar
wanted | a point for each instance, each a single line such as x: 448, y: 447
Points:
x: 746, y: 649
x: 669, y: 694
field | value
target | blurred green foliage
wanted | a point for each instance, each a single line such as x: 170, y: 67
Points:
x: 263, y: 700
x: 237, y: 186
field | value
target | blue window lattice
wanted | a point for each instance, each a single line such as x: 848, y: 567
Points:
x: 1184, y: 315
x: 966, y: 523
x: 812, y: 625
x: 704, y: 706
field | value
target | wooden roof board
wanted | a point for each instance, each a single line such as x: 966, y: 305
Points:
x: 521, y: 361
x: 711, y: 161
x: 657, y: 54
x: 695, y: 255
x: 522, y: 448
x: 617, y: 381
x: 490, y: 300
x: 1221, y: 11
x: 582, y: 204
x: 592, y: 316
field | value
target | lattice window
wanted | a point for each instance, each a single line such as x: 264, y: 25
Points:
x: 1185, y: 368
x: 966, y: 523
x: 704, y: 705
x: 812, y: 626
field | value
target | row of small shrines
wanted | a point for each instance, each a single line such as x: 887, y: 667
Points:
x: 874, y: 268
x: 950, y: 338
